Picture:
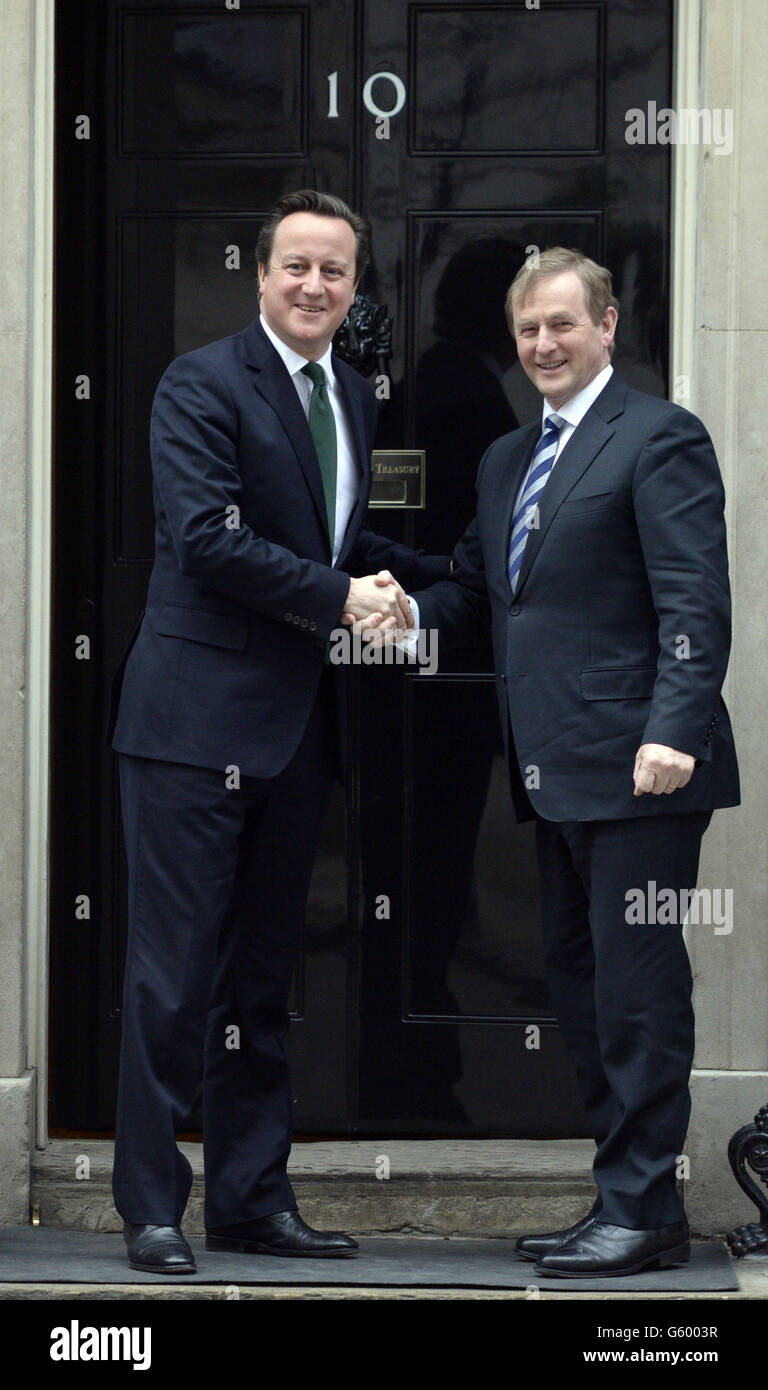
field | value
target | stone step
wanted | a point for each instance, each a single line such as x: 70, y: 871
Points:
x: 449, y: 1187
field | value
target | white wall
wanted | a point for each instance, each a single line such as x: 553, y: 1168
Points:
x: 730, y: 342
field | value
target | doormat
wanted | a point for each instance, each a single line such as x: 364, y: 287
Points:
x: 51, y: 1255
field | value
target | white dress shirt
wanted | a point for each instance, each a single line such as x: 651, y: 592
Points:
x: 573, y: 413
x: 347, y: 471
x: 575, y: 409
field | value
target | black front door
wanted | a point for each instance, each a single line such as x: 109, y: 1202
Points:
x: 470, y: 134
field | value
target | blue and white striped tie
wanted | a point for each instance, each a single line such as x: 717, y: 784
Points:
x: 526, y: 511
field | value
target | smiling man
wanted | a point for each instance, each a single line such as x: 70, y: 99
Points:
x: 561, y: 347
x: 598, y: 557
x: 227, y: 734
x: 298, y: 304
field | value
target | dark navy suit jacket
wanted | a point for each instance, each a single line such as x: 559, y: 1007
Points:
x: 225, y: 663
x: 618, y: 633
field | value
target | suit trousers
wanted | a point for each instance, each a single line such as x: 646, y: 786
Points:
x: 218, y: 882
x: 622, y: 993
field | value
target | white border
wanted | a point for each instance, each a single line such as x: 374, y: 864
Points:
x: 38, y: 559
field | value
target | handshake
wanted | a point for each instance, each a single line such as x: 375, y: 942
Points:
x: 377, y: 608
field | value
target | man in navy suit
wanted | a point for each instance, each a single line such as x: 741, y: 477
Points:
x: 597, y: 556
x: 227, y: 719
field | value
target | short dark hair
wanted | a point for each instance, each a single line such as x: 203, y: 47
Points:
x: 323, y: 205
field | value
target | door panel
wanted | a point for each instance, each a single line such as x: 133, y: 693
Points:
x: 466, y: 60
x: 507, y: 133
x: 209, y: 85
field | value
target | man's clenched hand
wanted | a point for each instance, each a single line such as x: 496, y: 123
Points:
x: 377, y: 595
x: 660, y: 769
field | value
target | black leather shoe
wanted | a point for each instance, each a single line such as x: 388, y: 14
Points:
x: 608, y: 1250
x: 158, y: 1249
x: 536, y: 1246
x: 282, y: 1234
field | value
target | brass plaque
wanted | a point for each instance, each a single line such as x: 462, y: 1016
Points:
x: 398, y: 478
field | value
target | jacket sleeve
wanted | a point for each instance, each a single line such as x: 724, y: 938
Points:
x: 194, y: 444
x: 411, y: 568
x: 679, y: 510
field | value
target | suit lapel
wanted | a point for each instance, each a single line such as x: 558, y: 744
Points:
x: 274, y: 384
x: 586, y: 442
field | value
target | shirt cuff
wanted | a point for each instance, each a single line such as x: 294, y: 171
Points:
x: 409, y: 639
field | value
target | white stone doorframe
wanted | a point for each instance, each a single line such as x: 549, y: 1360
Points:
x: 39, y: 539
x: 685, y: 207
x: 689, y: 44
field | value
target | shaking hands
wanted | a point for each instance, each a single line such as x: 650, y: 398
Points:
x: 377, y: 604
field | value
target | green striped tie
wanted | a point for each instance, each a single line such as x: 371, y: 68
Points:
x: 323, y: 428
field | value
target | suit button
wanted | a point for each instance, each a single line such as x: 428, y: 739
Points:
x: 514, y: 609
x: 296, y: 619
x: 503, y: 678
x: 305, y: 622
x: 313, y: 627
x: 289, y: 617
